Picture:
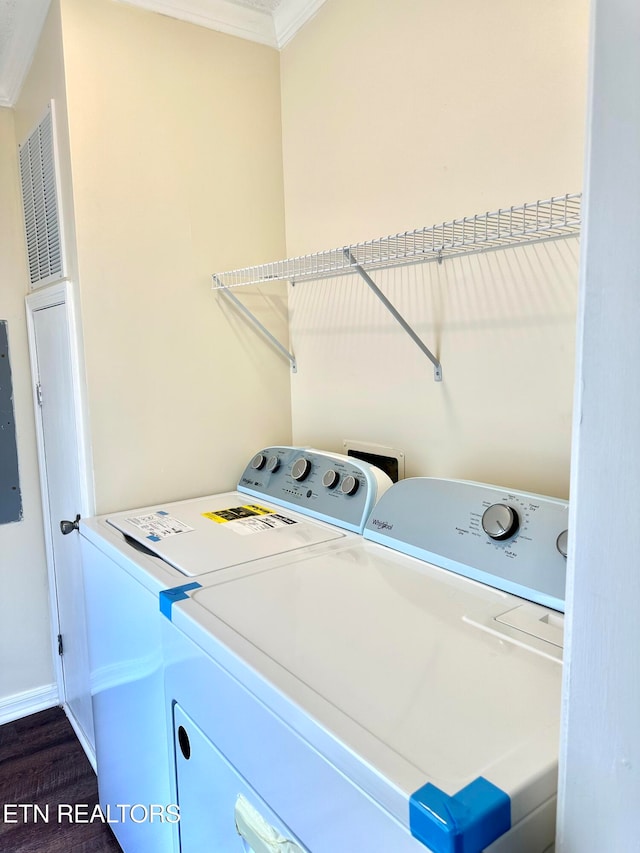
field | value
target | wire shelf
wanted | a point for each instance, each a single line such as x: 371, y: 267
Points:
x: 552, y: 219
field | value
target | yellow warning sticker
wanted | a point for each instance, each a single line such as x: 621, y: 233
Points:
x: 221, y: 516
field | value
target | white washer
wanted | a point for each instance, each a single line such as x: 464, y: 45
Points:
x: 289, y: 501
x: 399, y: 694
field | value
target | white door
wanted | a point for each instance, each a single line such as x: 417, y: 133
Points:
x: 61, y: 480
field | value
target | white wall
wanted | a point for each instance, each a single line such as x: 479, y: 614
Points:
x: 402, y: 114
x: 600, y: 758
x: 398, y: 114
x: 25, y: 653
x: 177, y: 172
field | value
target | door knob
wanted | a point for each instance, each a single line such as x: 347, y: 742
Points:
x: 68, y: 526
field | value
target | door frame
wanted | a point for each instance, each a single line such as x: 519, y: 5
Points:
x: 62, y: 293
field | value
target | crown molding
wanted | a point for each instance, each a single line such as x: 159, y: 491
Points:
x: 222, y: 15
x: 290, y: 16
x: 29, y: 20
x: 258, y: 25
x: 274, y: 29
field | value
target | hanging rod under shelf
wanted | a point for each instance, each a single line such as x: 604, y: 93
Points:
x: 552, y: 219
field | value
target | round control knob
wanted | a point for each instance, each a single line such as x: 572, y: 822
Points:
x: 300, y: 469
x: 273, y: 463
x: 500, y: 521
x: 258, y: 461
x: 562, y: 542
x: 331, y: 479
x: 350, y: 485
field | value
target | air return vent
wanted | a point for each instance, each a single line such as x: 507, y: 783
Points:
x: 41, y: 203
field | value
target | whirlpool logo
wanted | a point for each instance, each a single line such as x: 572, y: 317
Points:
x: 381, y: 525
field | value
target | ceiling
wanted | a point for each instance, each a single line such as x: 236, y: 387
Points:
x: 271, y: 22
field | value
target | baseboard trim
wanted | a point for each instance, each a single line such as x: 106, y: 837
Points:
x: 29, y: 702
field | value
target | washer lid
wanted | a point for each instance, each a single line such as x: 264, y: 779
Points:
x: 399, y: 662
x: 216, y: 532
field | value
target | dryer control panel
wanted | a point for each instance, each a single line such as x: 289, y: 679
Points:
x: 513, y: 541
x: 322, y: 485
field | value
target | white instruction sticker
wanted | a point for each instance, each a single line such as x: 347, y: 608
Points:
x: 158, y: 525
x: 260, y: 523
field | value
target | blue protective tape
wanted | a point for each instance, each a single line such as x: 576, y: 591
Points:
x: 162, y: 512
x: 153, y: 538
x: 168, y: 597
x: 466, y: 822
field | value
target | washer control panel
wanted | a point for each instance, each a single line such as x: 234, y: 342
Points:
x: 323, y: 485
x: 514, y: 541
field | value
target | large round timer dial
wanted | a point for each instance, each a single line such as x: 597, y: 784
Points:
x: 500, y: 522
x: 300, y: 469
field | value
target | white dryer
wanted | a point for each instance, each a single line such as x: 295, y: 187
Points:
x: 288, y: 501
x: 399, y: 694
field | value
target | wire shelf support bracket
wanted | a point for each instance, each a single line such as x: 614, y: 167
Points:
x: 437, y: 367
x: 254, y: 321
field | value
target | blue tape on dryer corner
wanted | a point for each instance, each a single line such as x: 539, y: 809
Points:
x: 466, y: 822
x: 168, y: 597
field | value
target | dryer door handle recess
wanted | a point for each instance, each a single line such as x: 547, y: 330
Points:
x: 69, y: 526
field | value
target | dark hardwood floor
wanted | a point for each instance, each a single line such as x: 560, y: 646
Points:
x: 42, y: 764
